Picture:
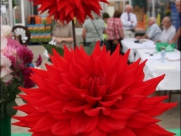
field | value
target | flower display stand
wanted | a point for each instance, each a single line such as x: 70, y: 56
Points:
x: 5, y: 125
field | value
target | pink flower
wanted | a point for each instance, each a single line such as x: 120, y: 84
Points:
x: 39, y: 61
x: 25, y: 55
x: 5, y: 69
x: 11, y: 53
x: 14, y: 43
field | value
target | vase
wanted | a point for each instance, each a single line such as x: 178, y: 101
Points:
x: 5, y: 126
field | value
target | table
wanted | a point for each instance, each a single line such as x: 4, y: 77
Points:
x: 154, y: 67
x: 128, y: 43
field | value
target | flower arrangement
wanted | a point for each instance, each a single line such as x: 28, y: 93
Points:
x: 92, y: 95
x: 15, y: 72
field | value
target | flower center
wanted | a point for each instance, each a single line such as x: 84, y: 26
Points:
x: 94, y: 82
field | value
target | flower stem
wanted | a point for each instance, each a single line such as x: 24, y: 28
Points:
x: 73, y: 30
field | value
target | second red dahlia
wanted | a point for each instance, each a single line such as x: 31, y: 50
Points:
x: 66, y: 10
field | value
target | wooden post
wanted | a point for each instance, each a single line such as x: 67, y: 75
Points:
x: 74, y: 36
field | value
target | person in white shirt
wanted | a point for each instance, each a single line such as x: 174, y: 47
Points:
x: 168, y: 30
x: 153, y: 32
x: 129, y: 22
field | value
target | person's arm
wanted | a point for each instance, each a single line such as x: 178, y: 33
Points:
x: 84, y: 33
x: 134, y: 20
x: 143, y: 37
x: 124, y: 20
x: 157, y: 41
x: 121, y: 33
x: 177, y: 35
x: 104, y: 31
x: 120, y: 28
x: 65, y: 39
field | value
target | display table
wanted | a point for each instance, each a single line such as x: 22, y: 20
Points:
x: 128, y: 43
x: 154, y: 68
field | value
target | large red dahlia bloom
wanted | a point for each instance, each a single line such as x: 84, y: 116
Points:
x: 66, y: 10
x: 97, y: 95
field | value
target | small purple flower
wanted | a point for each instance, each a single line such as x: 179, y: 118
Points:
x: 28, y: 83
x: 25, y: 54
x: 39, y: 61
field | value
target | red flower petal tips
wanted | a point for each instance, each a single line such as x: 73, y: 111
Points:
x: 66, y: 10
x: 96, y: 95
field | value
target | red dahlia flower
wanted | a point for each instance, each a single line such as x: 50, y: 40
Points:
x: 97, y: 95
x: 66, y: 10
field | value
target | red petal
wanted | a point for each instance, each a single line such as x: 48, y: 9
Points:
x: 61, y: 128
x: 159, y: 109
x: 123, y: 114
x: 141, y: 120
x: 55, y: 110
x: 150, y: 103
x: 44, y: 124
x: 153, y: 130
x: 96, y: 132
x: 154, y: 82
x: 74, y: 106
x: 130, y: 101
x: 108, y: 124
x: 82, y: 123
x: 91, y: 111
x: 25, y: 108
x: 124, y: 132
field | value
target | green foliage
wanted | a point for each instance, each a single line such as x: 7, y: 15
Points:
x: 8, y: 96
x: 49, y: 48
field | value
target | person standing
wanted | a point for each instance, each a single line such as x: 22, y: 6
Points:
x: 129, y: 22
x: 93, y: 30
x: 105, y: 17
x: 114, y: 32
x: 177, y: 36
x: 62, y: 33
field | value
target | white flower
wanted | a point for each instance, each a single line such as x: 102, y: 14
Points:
x: 5, y: 69
x: 3, y: 43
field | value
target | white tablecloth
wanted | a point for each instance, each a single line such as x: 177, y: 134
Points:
x: 128, y: 43
x: 154, y: 67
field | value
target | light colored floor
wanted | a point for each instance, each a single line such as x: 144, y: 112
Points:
x: 170, y: 119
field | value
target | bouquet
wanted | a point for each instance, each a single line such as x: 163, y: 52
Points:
x: 16, y: 61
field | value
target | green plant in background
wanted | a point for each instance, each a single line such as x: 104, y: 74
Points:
x: 49, y: 48
x: 139, y: 3
x: 13, y: 3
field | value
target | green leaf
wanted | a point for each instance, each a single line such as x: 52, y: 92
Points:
x: 9, y: 108
x: 49, y: 48
x: 90, y: 48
